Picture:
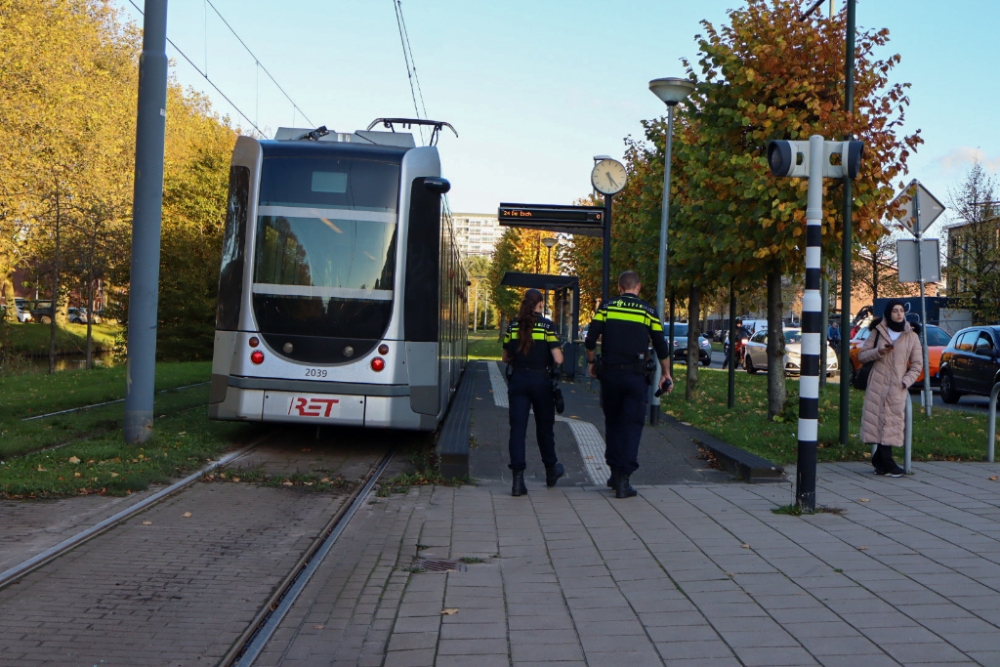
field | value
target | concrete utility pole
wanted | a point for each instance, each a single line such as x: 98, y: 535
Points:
x: 140, y: 370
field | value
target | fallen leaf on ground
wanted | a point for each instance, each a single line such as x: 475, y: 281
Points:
x: 76, y: 474
x: 317, y: 627
x: 114, y: 474
x: 325, y: 480
x: 40, y: 468
x: 186, y: 515
x: 864, y: 500
x: 994, y: 478
x: 74, y: 459
x: 862, y: 548
x: 236, y: 479
x: 746, y: 546
x: 449, y: 612
x: 287, y: 484
x: 147, y: 523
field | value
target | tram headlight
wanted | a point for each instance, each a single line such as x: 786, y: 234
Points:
x: 378, y: 364
x: 257, y: 357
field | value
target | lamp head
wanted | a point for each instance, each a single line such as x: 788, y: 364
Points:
x: 671, y: 90
x: 550, y: 241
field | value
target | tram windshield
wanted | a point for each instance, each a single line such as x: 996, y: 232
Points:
x: 325, y: 254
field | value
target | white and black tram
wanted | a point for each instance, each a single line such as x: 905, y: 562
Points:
x: 342, y: 297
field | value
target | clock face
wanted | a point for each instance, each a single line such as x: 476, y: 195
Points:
x: 609, y: 177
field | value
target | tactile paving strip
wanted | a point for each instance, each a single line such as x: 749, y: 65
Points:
x: 588, y: 438
x: 499, y: 385
x: 591, y: 445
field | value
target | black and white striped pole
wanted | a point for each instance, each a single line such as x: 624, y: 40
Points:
x: 811, y: 159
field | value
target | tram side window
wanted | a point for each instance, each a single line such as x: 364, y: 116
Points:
x: 227, y: 315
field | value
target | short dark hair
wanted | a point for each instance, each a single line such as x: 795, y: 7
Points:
x: 628, y: 280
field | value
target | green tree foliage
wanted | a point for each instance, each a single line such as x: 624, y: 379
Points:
x: 68, y: 82
x: 763, y: 75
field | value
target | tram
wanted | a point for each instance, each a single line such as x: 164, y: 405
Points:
x: 342, y: 296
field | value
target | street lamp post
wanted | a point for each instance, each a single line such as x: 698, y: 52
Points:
x: 550, y: 243
x: 671, y: 91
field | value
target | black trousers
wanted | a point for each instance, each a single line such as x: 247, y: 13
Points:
x: 527, y: 390
x: 624, y: 396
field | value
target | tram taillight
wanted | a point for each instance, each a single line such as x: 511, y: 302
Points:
x: 254, y: 341
x: 378, y: 364
x: 257, y: 357
x: 383, y: 349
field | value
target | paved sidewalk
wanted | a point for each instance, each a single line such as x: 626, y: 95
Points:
x: 684, y: 575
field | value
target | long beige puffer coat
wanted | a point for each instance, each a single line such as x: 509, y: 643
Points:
x: 883, y: 417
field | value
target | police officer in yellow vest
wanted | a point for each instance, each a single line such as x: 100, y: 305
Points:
x: 626, y: 326
x: 531, y: 347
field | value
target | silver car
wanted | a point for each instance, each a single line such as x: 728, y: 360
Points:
x: 681, y: 344
x: 755, y: 358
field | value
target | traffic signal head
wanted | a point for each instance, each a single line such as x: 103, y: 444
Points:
x: 850, y: 157
x: 788, y: 158
x: 791, y: 158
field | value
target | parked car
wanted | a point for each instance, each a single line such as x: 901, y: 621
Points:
x: 77, y: 315
x: 937, y: 340
x: 42, y: 312
x: 23, y: 310
x: 755, y: 353
x: 681, y: 344
x: 970, y: 364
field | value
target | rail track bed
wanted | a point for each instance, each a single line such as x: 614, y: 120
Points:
x: 184, y: 581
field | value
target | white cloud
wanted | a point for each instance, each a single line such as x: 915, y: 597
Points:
x: 959, y: 159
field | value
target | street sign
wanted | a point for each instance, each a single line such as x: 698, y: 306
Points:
x: 583, y: 220
x: 916, y: 220
x: 910, y: 265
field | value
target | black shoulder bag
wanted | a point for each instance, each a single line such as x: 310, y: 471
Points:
x: 861, y: 377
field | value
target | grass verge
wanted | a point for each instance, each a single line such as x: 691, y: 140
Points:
x: 484, y: 345
x: 26, y: 395
x: 950, y: 435
x: 32, y: 339
x: 181, y: 442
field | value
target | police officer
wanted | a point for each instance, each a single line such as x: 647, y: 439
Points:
x: 626, y: 325
x: 531, y: 347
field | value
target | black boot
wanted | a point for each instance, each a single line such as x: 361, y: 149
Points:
x: 611, y: 480
x: 622, y: 487
x: 889, y: 467
x: 553, y: 473
x: 877, y: 462
x: 518, y: 488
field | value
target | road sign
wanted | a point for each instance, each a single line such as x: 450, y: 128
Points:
x: 921, y: 208
x: 584, y: 220
x: 910, y: 265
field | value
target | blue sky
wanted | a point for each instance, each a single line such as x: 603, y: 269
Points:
x: 535, y: 89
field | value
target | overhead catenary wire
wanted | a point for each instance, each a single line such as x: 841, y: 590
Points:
x: 411, y: 68
x: 210, y: 82
x: 254, y: 56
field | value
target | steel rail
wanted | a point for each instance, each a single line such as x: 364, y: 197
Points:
x: 13, y: 574
x: 250, y: 644
x: 97, y: 405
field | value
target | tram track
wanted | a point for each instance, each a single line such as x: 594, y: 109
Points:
x: 251, y: 643
x: 13, y: 574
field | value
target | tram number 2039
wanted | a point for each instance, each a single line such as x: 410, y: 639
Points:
x: 315, y: 372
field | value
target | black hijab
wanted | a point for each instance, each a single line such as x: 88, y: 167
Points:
x: 887, y: 315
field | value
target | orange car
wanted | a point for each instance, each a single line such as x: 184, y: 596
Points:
x: 937, y: 340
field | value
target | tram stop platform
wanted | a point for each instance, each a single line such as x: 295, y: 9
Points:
x: 697, y: 570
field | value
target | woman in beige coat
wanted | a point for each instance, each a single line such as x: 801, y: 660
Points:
x: 895, y: 349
